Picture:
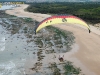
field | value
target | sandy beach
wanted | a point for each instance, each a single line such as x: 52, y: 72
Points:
x: 85, y: 52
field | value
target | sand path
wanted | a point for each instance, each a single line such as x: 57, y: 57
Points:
x: 85, y: 53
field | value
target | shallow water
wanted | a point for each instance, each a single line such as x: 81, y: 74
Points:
x: 5, y: 7
x: 14, y: 51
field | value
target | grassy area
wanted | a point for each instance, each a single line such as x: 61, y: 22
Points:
x: 28, y: 20
x: 70, y: 69
x: 13, y: 16
x: 55, y: 69
x: 58, y: 32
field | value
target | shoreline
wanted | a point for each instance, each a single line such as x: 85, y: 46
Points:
x: 86, y: 68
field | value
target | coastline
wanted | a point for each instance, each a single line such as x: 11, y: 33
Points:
x: 81, y: 42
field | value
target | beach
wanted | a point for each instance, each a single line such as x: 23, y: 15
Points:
x: 85, y: 52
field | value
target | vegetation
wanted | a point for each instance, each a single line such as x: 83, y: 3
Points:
x: 87, y: 11
x: 28, y: 20
x: 71, y: 70
x: 55, y: 69
x: 61, y: 33
x: 13, y: 16
x: 58, y: 32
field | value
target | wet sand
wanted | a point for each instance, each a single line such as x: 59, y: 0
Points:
x: 87, y: 47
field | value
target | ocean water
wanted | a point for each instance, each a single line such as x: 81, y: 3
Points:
x: 10, y: 68
x: 12, y: 59
x: 2, y: 43
x: 8, y: 65
x: 14, y: 52
x: 2, y: 39
x: 5, y: 7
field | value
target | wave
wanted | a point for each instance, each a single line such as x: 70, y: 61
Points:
x: 2, y: 43
x: 10, y: 68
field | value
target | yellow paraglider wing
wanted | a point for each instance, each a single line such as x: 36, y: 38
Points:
x: 61, y: 19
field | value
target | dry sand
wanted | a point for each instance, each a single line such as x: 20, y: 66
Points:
x: 85, y: 53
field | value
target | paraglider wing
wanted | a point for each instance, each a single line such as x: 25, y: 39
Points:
x: 60, y: 19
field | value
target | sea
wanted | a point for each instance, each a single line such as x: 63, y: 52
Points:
x: 12, y: 50
x: 5, y: 7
